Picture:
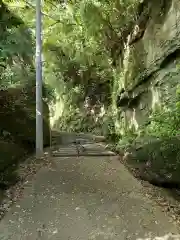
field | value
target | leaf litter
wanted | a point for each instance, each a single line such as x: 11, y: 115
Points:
x: 25, y: 172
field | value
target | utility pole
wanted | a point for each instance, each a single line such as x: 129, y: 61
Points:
x: 39, y: 103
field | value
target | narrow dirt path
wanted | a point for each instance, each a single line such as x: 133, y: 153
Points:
x: 83, y: 198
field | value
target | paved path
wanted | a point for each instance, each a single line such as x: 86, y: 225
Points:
x: 85, y: 198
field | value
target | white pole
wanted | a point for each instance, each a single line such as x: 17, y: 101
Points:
x: 39, y: 104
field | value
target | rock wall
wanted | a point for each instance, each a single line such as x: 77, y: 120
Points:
x: 150, y: 65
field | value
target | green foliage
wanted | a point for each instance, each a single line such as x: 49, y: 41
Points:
x: 165, y: 121
x: 16, y: 49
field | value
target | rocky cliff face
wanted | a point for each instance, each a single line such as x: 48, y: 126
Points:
x: 150, y: 64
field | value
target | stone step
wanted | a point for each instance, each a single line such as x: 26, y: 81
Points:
x: 88, y: 154
x: 73, y: 150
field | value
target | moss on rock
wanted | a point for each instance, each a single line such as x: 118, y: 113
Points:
x: 158, y: 162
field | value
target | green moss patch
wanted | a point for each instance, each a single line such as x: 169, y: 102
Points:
x: 158, y: 162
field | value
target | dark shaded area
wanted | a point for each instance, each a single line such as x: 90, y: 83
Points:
x: 125, y: 100
x: 134, y: 102
x: 8, y: 19
x: 18, y: 129
x: 170, y: 58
